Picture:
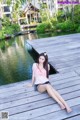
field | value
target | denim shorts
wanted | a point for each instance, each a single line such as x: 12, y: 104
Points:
x: 35, y: 86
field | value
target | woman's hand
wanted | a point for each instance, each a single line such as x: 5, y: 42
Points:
x: 29, y: 85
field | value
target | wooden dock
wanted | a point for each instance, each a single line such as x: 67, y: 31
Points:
x: 24, y: 103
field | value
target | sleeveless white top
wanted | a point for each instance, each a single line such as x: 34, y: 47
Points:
x: 39, y: 74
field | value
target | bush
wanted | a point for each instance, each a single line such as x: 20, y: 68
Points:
x: 9, y: 30
x: 15, y: 27
x: 53, y: 21
x: 77, y: 14
x: 78, y: 30
x: 6, y: 21
x: 61, y: 16
x: 43, y: 27
x: 66, y: 26
x: 1, y: 34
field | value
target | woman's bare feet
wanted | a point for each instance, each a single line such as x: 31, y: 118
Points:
x: 69, y: 110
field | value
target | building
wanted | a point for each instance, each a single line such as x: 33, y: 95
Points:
x: 4, y: 10
x: 29, y: 17
x: 30, y: 14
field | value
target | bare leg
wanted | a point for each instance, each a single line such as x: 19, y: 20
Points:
x: 42, y: 88
x: 59, y: 97
x: 55, y: 95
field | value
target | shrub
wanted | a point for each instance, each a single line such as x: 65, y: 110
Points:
x: 77, y: 14
x: 43, y: 27
x: 9, y: 30
x: 78, y: 30
x: 6, y: 21
x: 53, y: 21
x: 15, y: 27
x: 1, y: 34
x: 61, y: 16
x: 66, y: 26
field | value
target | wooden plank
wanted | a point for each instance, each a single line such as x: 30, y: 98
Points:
x: 57, y: 40
x: 57, y: 48
x: 71, y: 64
x: 69, y: 46
x: 76, y: 69
x: 74, y: 118
x: 39, y: 97
x: 13, y: 84
x: 23, y: 90
x: 60, y: 115
x: 21, y: 84
x: 19, y: 96
x: 65, y: 58
x: 35, y: 105
x: 48, y: 109
x: 67, y: 68
x: 60, y: 53
x: 32, y: 93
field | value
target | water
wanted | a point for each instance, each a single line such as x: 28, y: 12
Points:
x: 16, y: 60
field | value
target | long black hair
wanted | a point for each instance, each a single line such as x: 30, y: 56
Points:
x: 45, y: 64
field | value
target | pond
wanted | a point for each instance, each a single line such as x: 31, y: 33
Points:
x: 16, y: 58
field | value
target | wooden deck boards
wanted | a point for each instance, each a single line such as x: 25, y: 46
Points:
x: 24, y: 103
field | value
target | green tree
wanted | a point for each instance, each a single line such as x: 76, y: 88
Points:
x: 77, y: 14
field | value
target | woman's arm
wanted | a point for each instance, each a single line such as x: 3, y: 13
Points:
x: 33, y: 78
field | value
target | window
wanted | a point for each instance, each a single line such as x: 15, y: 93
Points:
x: 6, y: 9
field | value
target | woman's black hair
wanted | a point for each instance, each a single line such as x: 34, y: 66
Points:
x: 45, y: 64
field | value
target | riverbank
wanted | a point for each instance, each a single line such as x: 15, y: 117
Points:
x: 39, y: 35
x: 9, y: 36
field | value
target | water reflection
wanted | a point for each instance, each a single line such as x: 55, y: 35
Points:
x: 15, y: 61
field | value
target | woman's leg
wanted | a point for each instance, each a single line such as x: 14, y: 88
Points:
x: 43, y: 88
x: 51, y: 89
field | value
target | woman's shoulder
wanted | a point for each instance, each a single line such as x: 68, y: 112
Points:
x: 34, y: 64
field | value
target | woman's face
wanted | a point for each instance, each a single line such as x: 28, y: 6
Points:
x: 41, y: 59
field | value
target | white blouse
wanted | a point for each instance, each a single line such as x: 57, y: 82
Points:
x: 40, y: 75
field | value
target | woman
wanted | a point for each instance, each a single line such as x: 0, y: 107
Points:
x: 40, y: 78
